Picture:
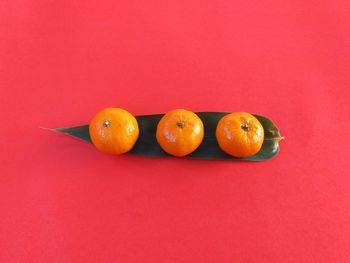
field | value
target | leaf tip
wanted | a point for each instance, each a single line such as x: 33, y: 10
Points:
x: 45, y: 128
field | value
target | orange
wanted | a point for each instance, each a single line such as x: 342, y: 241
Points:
x: 114, y: 131
x: 240, y: 134
x: 180, y: 132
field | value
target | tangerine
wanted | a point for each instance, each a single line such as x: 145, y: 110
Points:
x: 180, y: 132
x: 114, y: 131
x: 240, y: 134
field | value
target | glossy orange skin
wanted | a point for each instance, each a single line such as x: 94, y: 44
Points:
x: 114, y: 131
x: 180, y: 132
x: 235, y: 138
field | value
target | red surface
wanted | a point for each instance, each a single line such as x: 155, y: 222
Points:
x: 62, y: 61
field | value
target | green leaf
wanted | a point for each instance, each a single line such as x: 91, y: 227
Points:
x: 147, y: 145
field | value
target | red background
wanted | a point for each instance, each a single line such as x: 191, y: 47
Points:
x: 62, y: 61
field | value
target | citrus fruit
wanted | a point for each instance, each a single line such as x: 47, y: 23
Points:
x: 114, y: 131
x: 180, y: 132
x: 240, y: 134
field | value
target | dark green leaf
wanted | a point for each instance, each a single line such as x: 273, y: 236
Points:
x: 147, y: 145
